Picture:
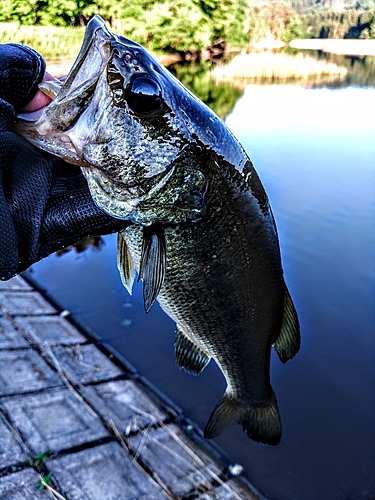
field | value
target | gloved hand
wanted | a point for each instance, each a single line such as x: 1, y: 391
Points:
x: 45, y: 203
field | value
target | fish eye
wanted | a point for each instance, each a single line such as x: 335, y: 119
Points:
x: 143, y: 95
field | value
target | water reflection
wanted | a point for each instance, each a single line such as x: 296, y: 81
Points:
x: 361, y: 69
x: 314, y: 150
x: 221, y: 97
x: 287, y: 65
x: 94, y: 241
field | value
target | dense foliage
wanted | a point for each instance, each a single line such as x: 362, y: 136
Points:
x: 175, y: 25
x: 193, y: 25
x: 346, y: 24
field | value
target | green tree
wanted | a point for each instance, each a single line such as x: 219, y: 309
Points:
x: 166, y: 25
x: 258, y: 27
x: 41, y: 12
x: 228, y: 19
x: 369, y: 33
x: 177, y: 26
x: 57, y: 13
x: 19, y: 10
x: 294, y: 29
x: 236, y: 32
x: 110, y: 10
x: 274, y: 15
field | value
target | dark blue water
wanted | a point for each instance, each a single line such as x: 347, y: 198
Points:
x: 314, y: 150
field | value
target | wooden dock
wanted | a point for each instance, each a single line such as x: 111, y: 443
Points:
x: 79, y: 423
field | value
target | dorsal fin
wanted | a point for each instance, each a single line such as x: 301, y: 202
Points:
x: 189, y: 356
x: 125, y: 263
x: 288, y: 342
x: 153, y: 263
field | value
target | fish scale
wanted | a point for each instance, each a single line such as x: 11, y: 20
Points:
x: 221, y: 321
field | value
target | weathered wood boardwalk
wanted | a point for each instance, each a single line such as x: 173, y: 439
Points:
x: 77, y: 424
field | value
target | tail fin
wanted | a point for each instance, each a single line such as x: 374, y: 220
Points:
x: 261, y: 421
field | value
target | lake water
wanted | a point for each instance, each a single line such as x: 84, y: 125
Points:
x: 314, y: 150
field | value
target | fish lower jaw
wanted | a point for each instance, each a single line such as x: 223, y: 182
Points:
x: 55, y: 144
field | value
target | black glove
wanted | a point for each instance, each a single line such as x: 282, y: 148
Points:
x: 45, y: 203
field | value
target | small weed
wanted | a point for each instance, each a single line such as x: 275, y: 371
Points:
x: 45, y: 481
x: 38, y: 461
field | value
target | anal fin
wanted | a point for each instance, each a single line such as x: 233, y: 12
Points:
x: 289, y: 340
x: 153, y: 263
x: 189, y: 356
x: 125, y: 263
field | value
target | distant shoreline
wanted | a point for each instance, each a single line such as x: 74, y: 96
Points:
x: 347, y: 47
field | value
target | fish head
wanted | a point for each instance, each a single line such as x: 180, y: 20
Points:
x: 132, y: 127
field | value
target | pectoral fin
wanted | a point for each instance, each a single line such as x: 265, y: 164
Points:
x: 189, y: 356
x: 288, y: 342
x: 153, y: 263
x: 125, y: 263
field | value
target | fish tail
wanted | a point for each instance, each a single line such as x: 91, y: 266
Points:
x: 261, y: 421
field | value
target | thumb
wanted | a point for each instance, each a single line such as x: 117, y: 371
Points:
x: 40, y: 99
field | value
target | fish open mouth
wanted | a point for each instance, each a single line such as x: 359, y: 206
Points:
x: 49, y: 88
x: 66, y: 99
x: 68, y: 126
x: 34, y: 109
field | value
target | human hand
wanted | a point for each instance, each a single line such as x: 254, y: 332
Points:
x: 45, y: 203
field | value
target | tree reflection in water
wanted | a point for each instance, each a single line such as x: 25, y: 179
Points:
x: 96, y: 242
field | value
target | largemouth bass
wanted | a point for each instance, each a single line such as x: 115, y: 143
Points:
x: 199, y: 230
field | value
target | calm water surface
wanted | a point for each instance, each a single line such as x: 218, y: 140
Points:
x: 314, y: 150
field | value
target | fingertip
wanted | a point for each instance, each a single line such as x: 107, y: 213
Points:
x: 47, y: 76
x: 40, y: 100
